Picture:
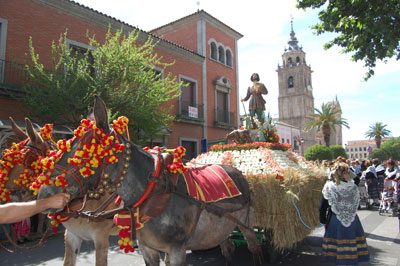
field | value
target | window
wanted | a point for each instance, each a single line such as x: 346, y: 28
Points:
x: 188, y: 92
x: 351, y: 149
x: 290, y: 63
x: 356, y: 155
x: 223, y: 116
x: 287, y: 141
x: 80, y: 50
x: 214, y: 52
x: 188, y: 106
x: 365, y: 148
x: 365, y: 155
x: 297, y: 61
x: 228, y: 58
x: 221, y: 54
x: 283, y: 140
x: 295, y: 146
x: 355, y: 149
x: 290, y: 82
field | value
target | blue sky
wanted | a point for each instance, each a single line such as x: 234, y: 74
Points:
x: 266, y: 27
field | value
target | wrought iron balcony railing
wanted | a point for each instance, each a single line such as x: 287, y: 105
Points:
x: 190, y: 111
x: 224, y: 118
x: 12, y: 75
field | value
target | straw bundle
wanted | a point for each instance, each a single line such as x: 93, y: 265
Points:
x: 273, y: 204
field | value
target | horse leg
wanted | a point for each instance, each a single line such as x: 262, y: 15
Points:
x: 151, y: 256
x: 227, y: 250
x: 101, y: 244
x: 252, y: 244
x: 72, y: 247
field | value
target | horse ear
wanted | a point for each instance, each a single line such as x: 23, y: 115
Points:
x: 33, y: 135
x: 100, y: 114
x: 19, y: 133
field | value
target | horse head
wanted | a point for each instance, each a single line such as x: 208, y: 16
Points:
x: 100, y: 160
x: 20, y: 163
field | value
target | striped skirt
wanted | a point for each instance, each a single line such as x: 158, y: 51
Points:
x: 373, y: 190
x: 344, y: 245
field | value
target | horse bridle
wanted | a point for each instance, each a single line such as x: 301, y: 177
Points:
x: 102, y: 185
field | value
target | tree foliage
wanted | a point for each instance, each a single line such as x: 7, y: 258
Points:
x: 369, y: 30
x: 380, y: 154
x: 338, y: 150
x: 377, y: 131
x: 120, y: 70
x: 392, y: 147
x: 326, y: 119
x: 318, y: 152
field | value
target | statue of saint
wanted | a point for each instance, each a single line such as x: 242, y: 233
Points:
x: 257, y: 102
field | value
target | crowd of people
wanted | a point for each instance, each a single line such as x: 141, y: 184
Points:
x: 344, y: 241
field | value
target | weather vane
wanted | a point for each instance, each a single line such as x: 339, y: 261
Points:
x: 198, y: 5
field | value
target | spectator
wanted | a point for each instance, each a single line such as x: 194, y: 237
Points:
x: 344, y: 241
x: 14, y: 212
x: 372, y: 182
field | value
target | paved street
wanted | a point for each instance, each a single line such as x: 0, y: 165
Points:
x: 382, y: 236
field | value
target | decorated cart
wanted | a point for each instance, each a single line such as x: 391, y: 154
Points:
x: 286, y: 189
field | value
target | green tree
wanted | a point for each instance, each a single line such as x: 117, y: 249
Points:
x: 380, y: 154
x: 120, y: 70
x: 392, y: 147
x: 369, y: 30
x: 326, y: 119
x: 318, y: 152
x: 377, y: 131
x: 338, y: 150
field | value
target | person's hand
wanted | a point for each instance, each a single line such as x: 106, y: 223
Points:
x: 242, y: 100
x: 58, y: 201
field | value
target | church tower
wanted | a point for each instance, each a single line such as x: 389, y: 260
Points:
x: 296, y: 101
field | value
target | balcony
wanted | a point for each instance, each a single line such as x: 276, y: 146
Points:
x: 12, y: 77
x: 190, y: 113
x: 224, y: 119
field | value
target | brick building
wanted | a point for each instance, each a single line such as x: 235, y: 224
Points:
x: 204, y: 49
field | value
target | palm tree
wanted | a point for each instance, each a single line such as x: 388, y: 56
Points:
x: 377, y: 131
x: 326, y: 118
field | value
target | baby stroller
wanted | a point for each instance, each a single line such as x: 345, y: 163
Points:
x: 389, y: 199
x: 364, y: 197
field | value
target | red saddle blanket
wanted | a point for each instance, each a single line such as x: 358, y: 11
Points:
x: 210, y: 183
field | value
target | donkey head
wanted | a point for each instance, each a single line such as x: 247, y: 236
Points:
x: 18, y: 169
x: 127, y: 174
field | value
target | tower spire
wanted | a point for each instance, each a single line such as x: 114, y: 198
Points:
x: 293, y: 43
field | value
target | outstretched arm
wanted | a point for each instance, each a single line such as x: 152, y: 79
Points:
x: 14, y: 212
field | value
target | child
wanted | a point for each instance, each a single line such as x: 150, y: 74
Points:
x: 22, y: 229
x: 387, y: 198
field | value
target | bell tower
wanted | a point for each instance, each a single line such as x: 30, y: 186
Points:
x: 296, y: 100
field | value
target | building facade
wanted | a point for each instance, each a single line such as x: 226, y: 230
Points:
x: 203, y: 48
x: 289, y: 134
x: 296, y: 101
x: 361, y: 149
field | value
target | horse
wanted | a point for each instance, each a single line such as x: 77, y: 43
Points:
x: 176, y: 222
x: 77, y: 229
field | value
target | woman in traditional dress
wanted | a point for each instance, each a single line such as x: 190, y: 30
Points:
x: 392, y: 171
x: 344, y: 241
x: 372, y: 182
